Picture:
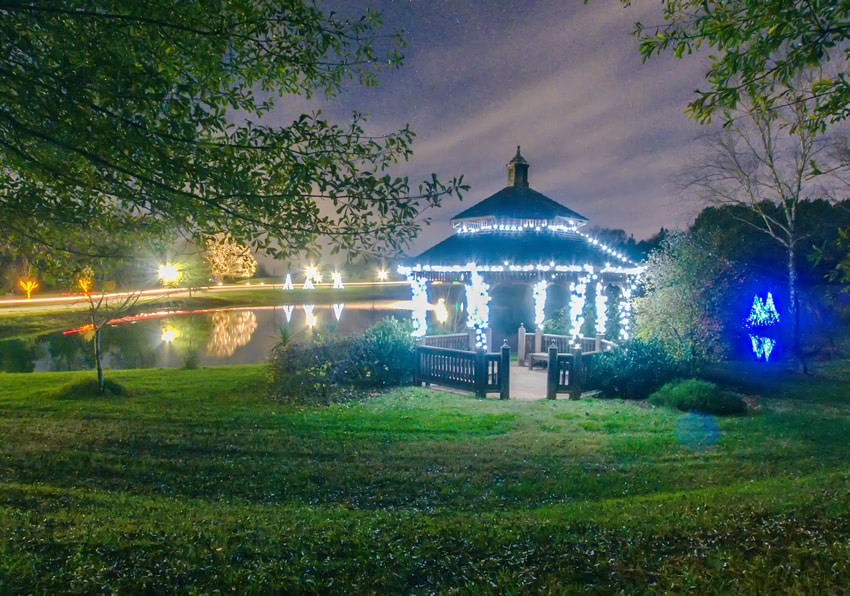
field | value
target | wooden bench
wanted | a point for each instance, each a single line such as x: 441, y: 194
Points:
x: 541, y: 358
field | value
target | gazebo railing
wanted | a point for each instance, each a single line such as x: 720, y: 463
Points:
x: 480, y: 372
x: 453, y: 341
x: 533, y: 347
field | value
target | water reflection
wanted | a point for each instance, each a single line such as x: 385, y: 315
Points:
x: 230, y: 330
x: 191, y: 339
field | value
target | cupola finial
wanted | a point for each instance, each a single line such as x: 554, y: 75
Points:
x: 518, y: 171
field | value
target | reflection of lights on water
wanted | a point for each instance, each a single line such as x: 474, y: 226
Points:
x: 309, y: 317
x: 169, y: 334
x: 762, y: 346
x: 287, y: 310
x: 440, y: 311
x: 338, y: 311
x: 230, y: 330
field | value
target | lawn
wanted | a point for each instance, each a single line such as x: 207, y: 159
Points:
x: 196, y: 482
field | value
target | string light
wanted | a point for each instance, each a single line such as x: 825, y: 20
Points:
x: 419, y: 318
x: 539, y: 295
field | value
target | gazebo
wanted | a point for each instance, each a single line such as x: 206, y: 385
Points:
x: 520, y: 236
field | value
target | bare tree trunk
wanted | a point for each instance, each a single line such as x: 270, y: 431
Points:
x: 98, y: 355
x: 794, y: 308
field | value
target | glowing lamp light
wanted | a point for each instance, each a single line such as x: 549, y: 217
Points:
x: 168, y: 274
x: 337, y: 279
x: 383, y: 275
x: 169, y: 334
x: 287, y: 284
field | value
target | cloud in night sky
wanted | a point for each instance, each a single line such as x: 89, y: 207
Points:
x: 604, y: 133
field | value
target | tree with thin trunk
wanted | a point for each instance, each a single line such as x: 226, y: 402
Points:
x: 767, y: 161
x: 103, y: 308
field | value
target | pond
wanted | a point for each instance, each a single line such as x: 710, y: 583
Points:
x: 191, y: 339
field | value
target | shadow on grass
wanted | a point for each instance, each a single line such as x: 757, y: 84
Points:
x: 88, y: 389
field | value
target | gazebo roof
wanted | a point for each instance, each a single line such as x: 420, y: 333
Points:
x: 520, y: 248
x: 517, y: 229
x: 518, y: 202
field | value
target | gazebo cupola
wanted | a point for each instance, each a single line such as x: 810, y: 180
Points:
x: 517, y: 207
x: 521, y: 235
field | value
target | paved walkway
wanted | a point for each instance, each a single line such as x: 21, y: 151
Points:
x: 528, y: 384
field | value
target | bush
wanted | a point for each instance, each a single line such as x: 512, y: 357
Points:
x: 330, y: 368
x: 695, y: 395
x: 631, y: 371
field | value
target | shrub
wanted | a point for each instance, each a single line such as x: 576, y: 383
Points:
x: 388, y: 354
x: 695, y: 395
x: 331, y: 368
x: 633, y: 370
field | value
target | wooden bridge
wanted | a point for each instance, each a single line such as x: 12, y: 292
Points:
x: 449, y: 361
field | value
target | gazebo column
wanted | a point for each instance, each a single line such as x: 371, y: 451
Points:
x: 539, y: 296
x: 478, y: 309
x: 419, y: 297
x: 601, y: 307
x: 577, y: 291
x: 626, y: 310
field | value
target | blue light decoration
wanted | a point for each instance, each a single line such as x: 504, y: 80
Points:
x: 762, y: 346
x: 763, y: 315
x: 477, y: 308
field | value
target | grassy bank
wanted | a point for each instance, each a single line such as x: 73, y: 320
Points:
x: 196, y: 482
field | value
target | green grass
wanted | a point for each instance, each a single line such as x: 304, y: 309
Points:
x: 193, y: 481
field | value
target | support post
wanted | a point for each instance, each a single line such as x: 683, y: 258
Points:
x: 599, y: 338
x: 576, y: 375
x: 480, y: 373
x: 552, y: 373
x: 505, y: 372
x: 471, y: 334
x: 520, y: 346
x: 538, y: 339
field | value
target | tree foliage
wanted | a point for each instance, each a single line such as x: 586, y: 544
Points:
x: 685, y: 300
x: 759, y: 50
x: 125, y: 114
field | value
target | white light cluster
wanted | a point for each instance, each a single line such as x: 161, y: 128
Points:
x: 539, y: 295
x: 287, y: 284
x: 530, y: 267
x: 536, y: 226
x: 478, y: 308
x: 601, y: 309
x: 338, y: 311
x: 337, y: 279
x: 626, y: 313
x: 577, y: 291
x: 419, y: 297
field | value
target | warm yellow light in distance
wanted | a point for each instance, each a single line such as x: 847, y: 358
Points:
x: 383, y: 275
x: 441, y: 311
x: 28, y: 286
x: 169, y: 334
x: 168, y: 273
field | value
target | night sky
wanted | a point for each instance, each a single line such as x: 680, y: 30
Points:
x: 603, y: 132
